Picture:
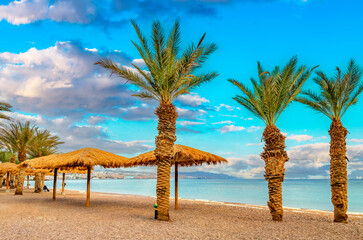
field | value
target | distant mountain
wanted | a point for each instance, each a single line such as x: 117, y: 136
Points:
x: 196, y: 174
x: 205, y: 175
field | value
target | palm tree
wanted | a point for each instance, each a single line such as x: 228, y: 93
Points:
x: 43, y: 144
x: 170, y: 74
x: 268, y: 99
x: 4, y: 107
x: 18, y: 136
x: 336, y: 95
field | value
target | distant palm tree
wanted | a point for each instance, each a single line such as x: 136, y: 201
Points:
x: 4, y: 107
x: 170, y: 74
x: 268, y: 99
x: 43, y: 144
x: 336, y: 95
x: 18, y: 136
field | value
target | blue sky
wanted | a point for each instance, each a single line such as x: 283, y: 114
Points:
x: 48, y: 48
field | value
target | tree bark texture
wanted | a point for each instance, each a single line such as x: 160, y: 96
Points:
x: 338, y: 171
x: 275, y: 156
x: 164, y: 153
x: 20, y: 175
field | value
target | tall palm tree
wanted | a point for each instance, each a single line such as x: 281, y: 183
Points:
x: 19, y: 136
x: 336, y: 95
x: 43, y: 144
x: 269, y: 98
x: 170, y: 74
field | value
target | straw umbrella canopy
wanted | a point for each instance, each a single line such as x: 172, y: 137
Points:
x: 184, y: 157
x: 7, y: 168
x: 82, y: 159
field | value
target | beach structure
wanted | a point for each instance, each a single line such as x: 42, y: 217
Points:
x: 7, y: 168
x: 80, y: 160
x: 183, y: 156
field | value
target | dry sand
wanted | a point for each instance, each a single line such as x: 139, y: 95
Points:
x: 113, y: 216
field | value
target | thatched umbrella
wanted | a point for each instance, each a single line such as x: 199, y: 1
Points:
x: 7, y: 168
x: 184, y: 157
x: 83, y: 159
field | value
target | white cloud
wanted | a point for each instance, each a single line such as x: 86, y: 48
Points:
x: 192, y: 100
x: 190, y: 123
x: 227, y: 107
x: 223, y: 122
x: 354, y: 140
x: 231, y: 128
x: 190, y: 114
x: 254, y: 144
x: 28, y: 11
x: 62, y: 80
x: 299, y: 138
x: 139, y: 62
x: 91, y: 49
x: 253, y: 128
x: 76, y: 137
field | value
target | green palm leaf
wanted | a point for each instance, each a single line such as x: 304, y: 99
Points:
x: 274, y: 91
x: 336, y: 94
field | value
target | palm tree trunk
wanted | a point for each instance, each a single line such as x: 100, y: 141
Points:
x: 20, y: 177
x: 12, y: 181
x: 42, y: 180
x: 338, y: 171
x: 275, y: 156
x: 1, y: 180
x: 38, y: 183
x: 164, y: 153
x: 12, y: 176
x: 38, y: 179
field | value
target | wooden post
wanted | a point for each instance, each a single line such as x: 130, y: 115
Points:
x: 64, y: 176
x: 88, y: 186
x: 7, y: 180
x: 27, y: 186
x: 55, y: 184
x: 176, y: 186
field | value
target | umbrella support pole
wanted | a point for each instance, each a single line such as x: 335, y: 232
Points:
x: 7, y: 181
x: 176, y: 186
x: 27, y: 185
x: 88, y: 186
x: 64, y: 176
x: 55, y: 184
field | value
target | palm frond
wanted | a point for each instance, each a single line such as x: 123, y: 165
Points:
x: 170, y: 74
x: 274, y: 91
x: 336, y: 94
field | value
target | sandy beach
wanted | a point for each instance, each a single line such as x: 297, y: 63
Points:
x: 113, y: 216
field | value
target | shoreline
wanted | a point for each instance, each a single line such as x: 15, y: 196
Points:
x: 211, y: 202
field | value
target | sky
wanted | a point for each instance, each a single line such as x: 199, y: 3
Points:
x: 47, y: 72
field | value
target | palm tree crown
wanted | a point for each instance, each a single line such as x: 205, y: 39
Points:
x: 18, y: 136
x: 44, y: 143
x: 274, y: 91
x: 169, y: 74
x: 337, y: 94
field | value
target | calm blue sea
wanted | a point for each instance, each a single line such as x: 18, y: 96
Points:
x: 310, y: 194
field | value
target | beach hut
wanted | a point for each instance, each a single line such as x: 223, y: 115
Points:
x: 7, y: 168
x: 82, y: 159
x: 184, y: 157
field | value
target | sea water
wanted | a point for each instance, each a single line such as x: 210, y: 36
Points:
x: 298, y: 193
